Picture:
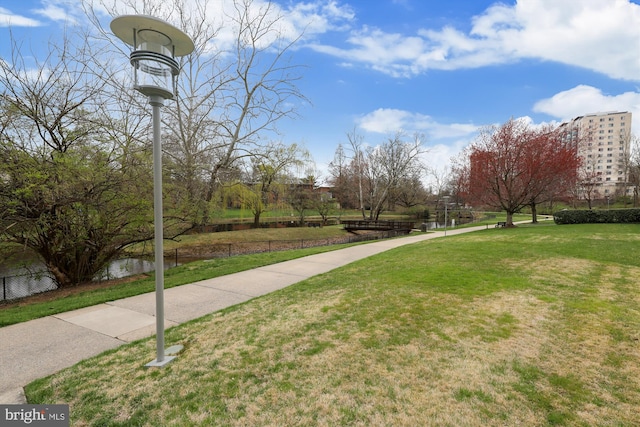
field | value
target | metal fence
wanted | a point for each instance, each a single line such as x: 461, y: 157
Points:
x: 24, y: 285
x: 225, y: 250
x: 31, y: 283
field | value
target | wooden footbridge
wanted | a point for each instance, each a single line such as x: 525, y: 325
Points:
x: 355, y: 225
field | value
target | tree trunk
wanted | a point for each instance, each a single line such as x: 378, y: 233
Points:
x: 60, y: 278
x: 534, y: 213
x: 510, y: 219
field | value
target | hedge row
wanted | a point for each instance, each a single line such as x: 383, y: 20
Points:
x: 591, y: 217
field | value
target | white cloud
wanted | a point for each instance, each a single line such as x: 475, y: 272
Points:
x: 60, y: 11
x: 319, y: 17
x: 443, y: 141
x: 384, y: 120
x: 390, y: 53
x: 9, y: 19
x: 305, y: 19
x: 601, y: 35
x: 439, y: 156
x: 389, y: 120
x: 49, y: 10
x: 281, y: 22
x: 585, y: 99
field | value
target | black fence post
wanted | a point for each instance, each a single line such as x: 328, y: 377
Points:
x: 4, y: 288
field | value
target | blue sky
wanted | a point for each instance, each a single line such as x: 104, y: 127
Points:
x: 443, y: 68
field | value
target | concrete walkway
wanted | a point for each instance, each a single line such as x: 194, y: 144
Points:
x: 41, y: 347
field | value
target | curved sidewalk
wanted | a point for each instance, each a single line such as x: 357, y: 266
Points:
x: 41, y: 347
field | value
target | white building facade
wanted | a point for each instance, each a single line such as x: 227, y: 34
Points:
x: 603, y: 143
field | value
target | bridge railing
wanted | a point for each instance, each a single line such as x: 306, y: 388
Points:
x: 377, y: 225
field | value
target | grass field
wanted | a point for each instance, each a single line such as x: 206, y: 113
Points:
x: 531, y: 326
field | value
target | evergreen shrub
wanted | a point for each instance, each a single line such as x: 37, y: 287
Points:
x: 611, y: 216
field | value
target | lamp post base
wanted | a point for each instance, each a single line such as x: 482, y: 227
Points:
x: 156, y: 364
x: 169, y: 354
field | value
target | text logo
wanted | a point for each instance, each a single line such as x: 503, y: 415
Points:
x: 34, y: 415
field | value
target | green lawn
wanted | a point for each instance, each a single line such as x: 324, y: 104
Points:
x: 537, y: 325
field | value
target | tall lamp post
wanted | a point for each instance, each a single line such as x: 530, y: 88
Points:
x: 446, y: 199
x: 155, y: 44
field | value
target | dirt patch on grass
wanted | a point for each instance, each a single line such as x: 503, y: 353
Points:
x: 568, y: 272
x: 620, y: 281
x: 319, y: 373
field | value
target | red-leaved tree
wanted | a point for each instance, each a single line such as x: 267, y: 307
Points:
x: 553, y: 165
x: 514, y: 165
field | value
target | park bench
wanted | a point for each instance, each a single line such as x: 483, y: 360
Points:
x: 501, y: 224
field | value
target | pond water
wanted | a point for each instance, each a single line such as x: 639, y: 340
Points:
x: 434, y: 225
x: 19, y: 282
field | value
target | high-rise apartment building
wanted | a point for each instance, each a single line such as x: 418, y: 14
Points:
x: 603, y: 143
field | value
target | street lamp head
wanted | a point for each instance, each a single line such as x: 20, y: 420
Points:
x: 155, y: 44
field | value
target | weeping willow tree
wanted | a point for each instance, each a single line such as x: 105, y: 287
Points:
x: 267, y: 178
x: 250, y: 198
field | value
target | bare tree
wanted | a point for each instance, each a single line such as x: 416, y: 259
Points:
x: 384, y: 167
x: 589, y: 179
x: 441, y: 179
x: 339, y: 173
x: 358, y: 169
x: 235, y: 87
x: 324, y: 204
x: 409, y: 192
x: 374, y: 175
x: 633, y: 168
x: 301, y: 196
